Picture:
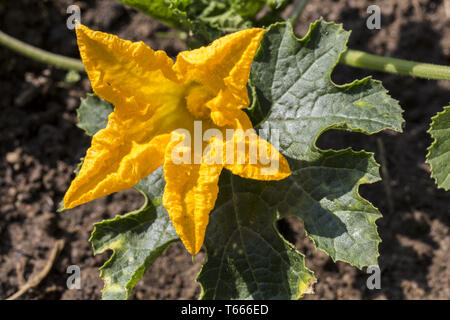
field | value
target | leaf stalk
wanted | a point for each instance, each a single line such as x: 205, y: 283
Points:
x: 360, y: 59
x: 297, y: 11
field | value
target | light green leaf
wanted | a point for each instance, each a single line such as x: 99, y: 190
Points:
x: 159, y: 9
x: 93, y: 114
x: 439, y: 152
x: 278, y: 4
x: 296, y: 99
x: 136, y: 238
x: 206, y: 19
x: 246, y: 256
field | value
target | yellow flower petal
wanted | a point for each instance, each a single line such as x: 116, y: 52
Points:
x: 223, y: 108
x: 111, y: 168
x: 189, y: 196
x: 149, y: 105
x: 223, y: 68
x: 251, y: 156
x: 129, y: 75
x: 271, y: 166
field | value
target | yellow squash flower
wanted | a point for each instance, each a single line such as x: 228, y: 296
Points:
x: 154, y: 98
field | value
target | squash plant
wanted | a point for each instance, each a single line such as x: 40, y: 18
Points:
x: 292, y: 94
x: 249, y: 72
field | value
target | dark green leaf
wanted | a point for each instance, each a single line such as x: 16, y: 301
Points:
x: 295, y: 98
x: 246, y: 256
x: 136, y: 238
x: 295, y: 94
x: 324, y: 194
x: 93, y: 114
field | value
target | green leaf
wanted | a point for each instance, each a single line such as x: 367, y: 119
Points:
x: 439, y: 152
x: 136, y: 238
x: 159, y: 9
x: 295, y: 94
x: 93, y: 114
x: 72, y: 77
x: 246, y: 256
x: 278, y: 4
x: 295, y: 99
x: 324, y: 194
x: 206, y: 19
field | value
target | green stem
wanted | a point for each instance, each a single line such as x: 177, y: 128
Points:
x: 360, y: 59
x: 40, y: 55
x: 298, y: 9
x: 180, y: 35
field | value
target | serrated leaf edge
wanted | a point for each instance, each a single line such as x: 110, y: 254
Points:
x: 344, y: 86
x: 340, y: 125
x: 430, y: 132
x: 361, y: 181
x: 301, y: 289
x: 130, y: 284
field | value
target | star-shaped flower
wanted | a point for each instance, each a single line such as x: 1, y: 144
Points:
x: 158, y: 108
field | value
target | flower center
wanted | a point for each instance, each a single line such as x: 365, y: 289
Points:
x: 196, y: 98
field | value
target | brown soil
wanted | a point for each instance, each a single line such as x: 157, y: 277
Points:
x: 40, y: 146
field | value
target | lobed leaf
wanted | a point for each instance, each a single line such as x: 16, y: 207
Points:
x: 324, y: 194
x: 439, y: 152
x: 295, y: 97
x: 295, y: 94
x: 246, y: 256
x: 136, y: 238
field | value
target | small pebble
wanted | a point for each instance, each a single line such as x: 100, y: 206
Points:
x: 12, y: 157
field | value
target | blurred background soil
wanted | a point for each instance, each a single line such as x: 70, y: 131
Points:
x: 40, y: 146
